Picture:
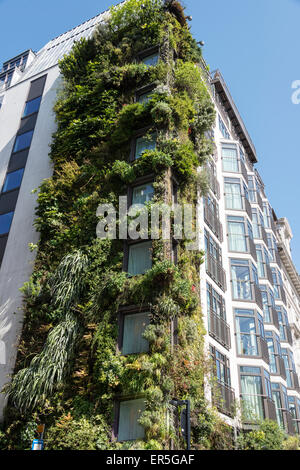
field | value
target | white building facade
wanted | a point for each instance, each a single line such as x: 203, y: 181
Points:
x: 250, y: 290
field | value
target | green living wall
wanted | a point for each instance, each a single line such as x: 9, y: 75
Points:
x: 69, y: 373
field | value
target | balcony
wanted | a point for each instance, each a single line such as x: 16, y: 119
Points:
x: 213, y: 182
x: 219, y: 329
x: 258, y: 297
x: 215, y: 271
x: 280, y: 367
x: 288, y: 422
x: 223, y: 398
x: 212, y: 221
x: 264, y: 352
x: 269, y: 409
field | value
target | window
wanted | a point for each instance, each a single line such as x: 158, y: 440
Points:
x: 129, y: 413
x: 268, y: 303
x: 243, y: 276
x: 249, y: 326
x: 277, y: 284
x: 274, y: 349
x: 289, y: 365
x: 213, y: 261
x: 151, y: 60
x: 32, y: 106
x: 211, y: 215
x: 223, y: 129
x: 280, y: 399
x: 230, y: 158
x: 294, y: 407
x: 236, y: 234
x: 221, y: 363
x: 267, y: 215
x: 5, y: 222
x: 263, y: 261
x: 284, y: 327
x: 215, y: 302
x: 13, y: 180
x: 212, y: 248
x: 252, y: 390
x: 134, y: 326
x: 272, y: 245
x: 142, y: 194
x: 233, y: 194
x: 257, y: 223
x: 139, y: 258
x: 23, y: 141
x: 144, y: 143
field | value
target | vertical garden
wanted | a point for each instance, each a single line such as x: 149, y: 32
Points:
x: 133, y: 85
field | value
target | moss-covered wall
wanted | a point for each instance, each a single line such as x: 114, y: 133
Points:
x: 69, y: 371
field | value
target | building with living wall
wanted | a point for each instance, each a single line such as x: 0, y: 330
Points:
x: 248, y: 288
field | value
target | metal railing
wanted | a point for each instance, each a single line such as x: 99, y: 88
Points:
x: 213, y: 221
x: 223, y: 398
x: 215, y: 271
x: 252, y: 248
x: 244, y: 171
x: 288, y: 421
x: 258, y: 297
x: 248, y: 208
x: 213, y: 182
x: 219, y: 329
x: 270, y: 409
x: 269, y: 274
x: 264, y: 351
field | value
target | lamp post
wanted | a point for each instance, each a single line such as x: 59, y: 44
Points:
x: 185, y: 420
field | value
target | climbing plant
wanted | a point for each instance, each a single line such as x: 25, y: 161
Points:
x: 69, y: 371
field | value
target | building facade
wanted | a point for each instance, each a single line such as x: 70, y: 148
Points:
x: 250, y: 289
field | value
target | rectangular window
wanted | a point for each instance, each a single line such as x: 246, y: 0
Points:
x: 130, y: 411
x: 252, y: 393
x: 223, y: 129
x: 268, y: 302
x: 5, y: 222
x: 142, y: 194
x: 151, y: 60
x: 246, y: 332
x: 230, y: 158
x: 139, y: 258
x: 233, y: 194
x: 32, y: 106
x: 241, y: 280
x: 144, y: 98
x: 144, y: 143
x: 134, y: 326
x: 13, y: 180
x: 237, y: 234
x: 23, y: 141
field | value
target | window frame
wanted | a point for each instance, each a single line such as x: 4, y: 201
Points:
x: 127, y: 245
x: 138, y: 134
x: 129, y: 310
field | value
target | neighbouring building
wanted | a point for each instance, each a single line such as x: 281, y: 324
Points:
x: 250, y: 288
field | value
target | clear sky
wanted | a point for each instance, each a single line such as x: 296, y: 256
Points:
x: 255, y: 44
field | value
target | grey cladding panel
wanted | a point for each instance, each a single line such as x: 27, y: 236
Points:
x: 8, y: 201
x: 27, y: 123
x: 36, y: 88
x: 3, y: 241
x: 18, y: 160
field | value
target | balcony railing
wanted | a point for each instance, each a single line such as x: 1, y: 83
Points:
x: 295, y: 381
x: 280, y: 366
x: 269, y: 274
x: 288, y: 422
x: 213, y: 182
x: 258, y: 297
x: 223, y: 398
x: 213, y: 221
x: 219, y: 329
x: 216, y: 272
x: 252, y: 248
x: 264, y: 235
x: 248, y: 208
x: 264, y: 352
x: 244, y: 171
x: 259, y: 200
x: 270, y: 409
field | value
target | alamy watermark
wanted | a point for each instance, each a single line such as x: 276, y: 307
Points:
x: 149, y: 222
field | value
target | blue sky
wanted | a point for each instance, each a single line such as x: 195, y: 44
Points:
x: 255, y: 44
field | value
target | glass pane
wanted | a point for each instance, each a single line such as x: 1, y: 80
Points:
x: 150, y: 59
x: 134, y: 327
x: 32, y: 106
x: 130, y: 411
x: 23, y: 141
x: 5, y: 222
x: 246, y: 336
x: 230, y: 160
x: 241, y: 282
x: 144, y: 143
x: 142, y: 194
x: 233, y: 196
x: 252, y: 401
x: 237, y: 239
x: 144, y: 98
x: 13, y: 180
x: 139, y: 260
